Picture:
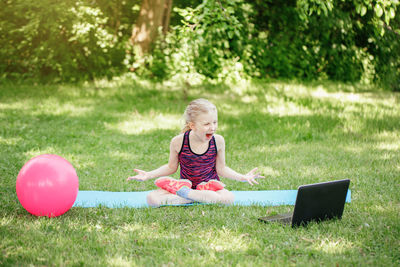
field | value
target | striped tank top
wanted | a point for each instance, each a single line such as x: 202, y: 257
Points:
x: 198, y: 168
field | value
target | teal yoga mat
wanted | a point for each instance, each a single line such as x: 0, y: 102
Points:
x: 89, y: 199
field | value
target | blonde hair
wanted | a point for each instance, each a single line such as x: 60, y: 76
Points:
x: 195, y: 108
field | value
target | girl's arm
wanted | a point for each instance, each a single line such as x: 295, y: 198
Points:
x: 227, y: 172
x: 166, y: 169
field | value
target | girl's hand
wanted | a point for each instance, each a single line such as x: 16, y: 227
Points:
x: 141, y: 176
x: 251, y: 176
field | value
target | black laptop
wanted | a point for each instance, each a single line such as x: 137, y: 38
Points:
x: 315, y: 202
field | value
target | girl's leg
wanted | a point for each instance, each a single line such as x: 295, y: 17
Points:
x: 161, y: 197
x: 206, y: 196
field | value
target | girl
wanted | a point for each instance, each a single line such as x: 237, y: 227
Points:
x: 200, y: 153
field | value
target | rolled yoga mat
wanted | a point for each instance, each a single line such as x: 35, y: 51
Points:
x: 90, y: 199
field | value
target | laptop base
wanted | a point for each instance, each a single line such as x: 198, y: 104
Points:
x: 284, y: 218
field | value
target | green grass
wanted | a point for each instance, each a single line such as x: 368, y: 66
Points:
x: 295, y: 133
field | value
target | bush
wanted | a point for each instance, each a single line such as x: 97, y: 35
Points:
x: 58, y: 40
x: 210, y: 41
x: 347, y: 41
x: 385, y: 53
x: 229, y: 39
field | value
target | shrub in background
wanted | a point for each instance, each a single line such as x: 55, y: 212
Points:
x: 337, y: 40
x: 210, y: 40
x: 348, y: 41
x: 61, y: 40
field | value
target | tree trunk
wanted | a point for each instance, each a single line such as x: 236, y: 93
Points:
x: 153, y: 14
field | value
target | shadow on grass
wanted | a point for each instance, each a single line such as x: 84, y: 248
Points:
x: 84, y: 125
x: 295, y: 136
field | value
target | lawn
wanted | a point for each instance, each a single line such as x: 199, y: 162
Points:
x: 296, y: 133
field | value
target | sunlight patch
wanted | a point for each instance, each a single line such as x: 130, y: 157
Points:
x: 249, y: 99
x: 280, y: 107
x: 341, y: 96
x: 288, y: 109
x: 355, y: 149
x: 268, y: 171
x: 35, y: 152
x: 49, y: 107
x: 142, y: 124
x: 10, y: 141
x: 119, y: 261
x: 227, y: 109
x: 122, y: 155
x: 53, y: 107
x: 21, y: 105
x: 379, y: 208
x: 243, y: 87
x: 390, y: 208
x: 80, y: 161
x: 132, y: 227
x: 145, y: 231
x: 391, y: 142
x: 383, y: 100
x: 224, y: 240
x: 5, y: 221
x: 334, y: 246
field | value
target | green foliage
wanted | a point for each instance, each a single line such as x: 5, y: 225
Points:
x: 64, y: 40
x: 210, y: 41
x: 338, y: 40
x: 284, y: 47
x: 350, y: 41
x: 385, y: 54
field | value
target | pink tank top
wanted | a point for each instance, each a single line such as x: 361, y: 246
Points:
x: 198, y: 168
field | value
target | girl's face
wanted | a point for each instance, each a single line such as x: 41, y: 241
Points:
x: 205, y: 125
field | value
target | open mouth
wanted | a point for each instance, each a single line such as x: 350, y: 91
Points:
x: 209, y: 136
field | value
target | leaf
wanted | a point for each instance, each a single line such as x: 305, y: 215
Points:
x: 363, y: 10
x: 392, y: 13
x: 382, y: 31
x: 387, y: 18
x: 358, y: 8
x: 378, y: 10
x: 324, y: 9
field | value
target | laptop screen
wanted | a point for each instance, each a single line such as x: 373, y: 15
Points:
x: 322, y: 201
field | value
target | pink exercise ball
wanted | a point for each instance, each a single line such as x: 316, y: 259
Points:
x: 47, y: 185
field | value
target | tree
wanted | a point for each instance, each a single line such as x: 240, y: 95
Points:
x: 153, y: 15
